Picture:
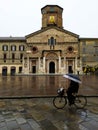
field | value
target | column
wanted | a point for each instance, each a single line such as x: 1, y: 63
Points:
x: 65, y: 69
x: 66, y: 66
x: 23, y: 64
x: 44, y: 63
x: 39, y: 63
x: 28, y: 64
x: 59, y: 64
x: 80, y: 65
x: 75, y: 64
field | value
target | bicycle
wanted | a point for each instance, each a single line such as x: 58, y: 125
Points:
x: 60, y: 101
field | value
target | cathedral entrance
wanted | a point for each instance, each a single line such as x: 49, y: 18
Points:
x: 33, y: 69
x: 70, y: 65
x: 51, y: 67
x: 33, y: 66
x: 70, y: 69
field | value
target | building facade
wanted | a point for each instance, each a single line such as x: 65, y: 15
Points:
x: 50, y: 50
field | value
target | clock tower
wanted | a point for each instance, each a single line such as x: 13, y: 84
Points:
x: 52, y: 16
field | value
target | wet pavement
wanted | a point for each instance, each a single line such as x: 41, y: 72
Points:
x: 43, y: 85
x: 40, y: 114
x: 19, y: 112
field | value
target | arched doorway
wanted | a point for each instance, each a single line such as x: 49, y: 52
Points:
x: 20, y: 69
x: 51, y: 67
x: 4, y: 71
x: 13, y: 70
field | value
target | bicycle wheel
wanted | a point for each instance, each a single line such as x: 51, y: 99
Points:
x: 59, y: 102
x: 80, y: 101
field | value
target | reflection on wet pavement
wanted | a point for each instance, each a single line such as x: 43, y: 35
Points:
x: 43, y: 85
x: 39, y: 113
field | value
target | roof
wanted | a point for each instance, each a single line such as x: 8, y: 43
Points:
x: 52, y: 27
x: 12, y: 38
x: 87, y: 38
x: 51, y: 6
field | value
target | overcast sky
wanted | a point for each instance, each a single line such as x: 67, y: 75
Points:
x: 22, y: 17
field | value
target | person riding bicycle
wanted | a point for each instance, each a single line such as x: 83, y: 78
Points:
x: 72, y: 86
x: 72, y: 89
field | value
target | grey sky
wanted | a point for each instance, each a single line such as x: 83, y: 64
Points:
x: 22, y: 17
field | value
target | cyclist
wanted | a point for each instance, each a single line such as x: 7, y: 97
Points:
x: 71, y: 90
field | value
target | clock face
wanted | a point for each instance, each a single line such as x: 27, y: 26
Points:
x: 51, y: 19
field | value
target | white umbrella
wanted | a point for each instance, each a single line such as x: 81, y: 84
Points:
x: 72, y: 77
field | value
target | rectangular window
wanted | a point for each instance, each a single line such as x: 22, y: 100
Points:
x: 52, y: 9
x: 84, y: 43
x: 21, y: 56
x: 96, y: 50
x: 49, y: 41
x: 83, y: 59
x: 52, y: 43
x: 4, y: 57
x: 96, y: 58
x: 13, y: 56
x: 96, y: 44
x: 84, y: 50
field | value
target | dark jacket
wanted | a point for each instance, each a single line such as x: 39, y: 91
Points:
x: 73, y: 88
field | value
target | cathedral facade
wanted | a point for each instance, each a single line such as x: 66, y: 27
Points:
x: 50, y: 50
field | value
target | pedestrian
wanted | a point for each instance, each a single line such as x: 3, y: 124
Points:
x: 72, y: 87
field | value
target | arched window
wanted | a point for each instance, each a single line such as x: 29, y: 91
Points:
x: 52, y: 41
x: 13, y: 48
x: 5, y: 47
x: 21, y: 48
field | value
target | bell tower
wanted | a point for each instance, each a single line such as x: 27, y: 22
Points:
x: 52, y: 16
